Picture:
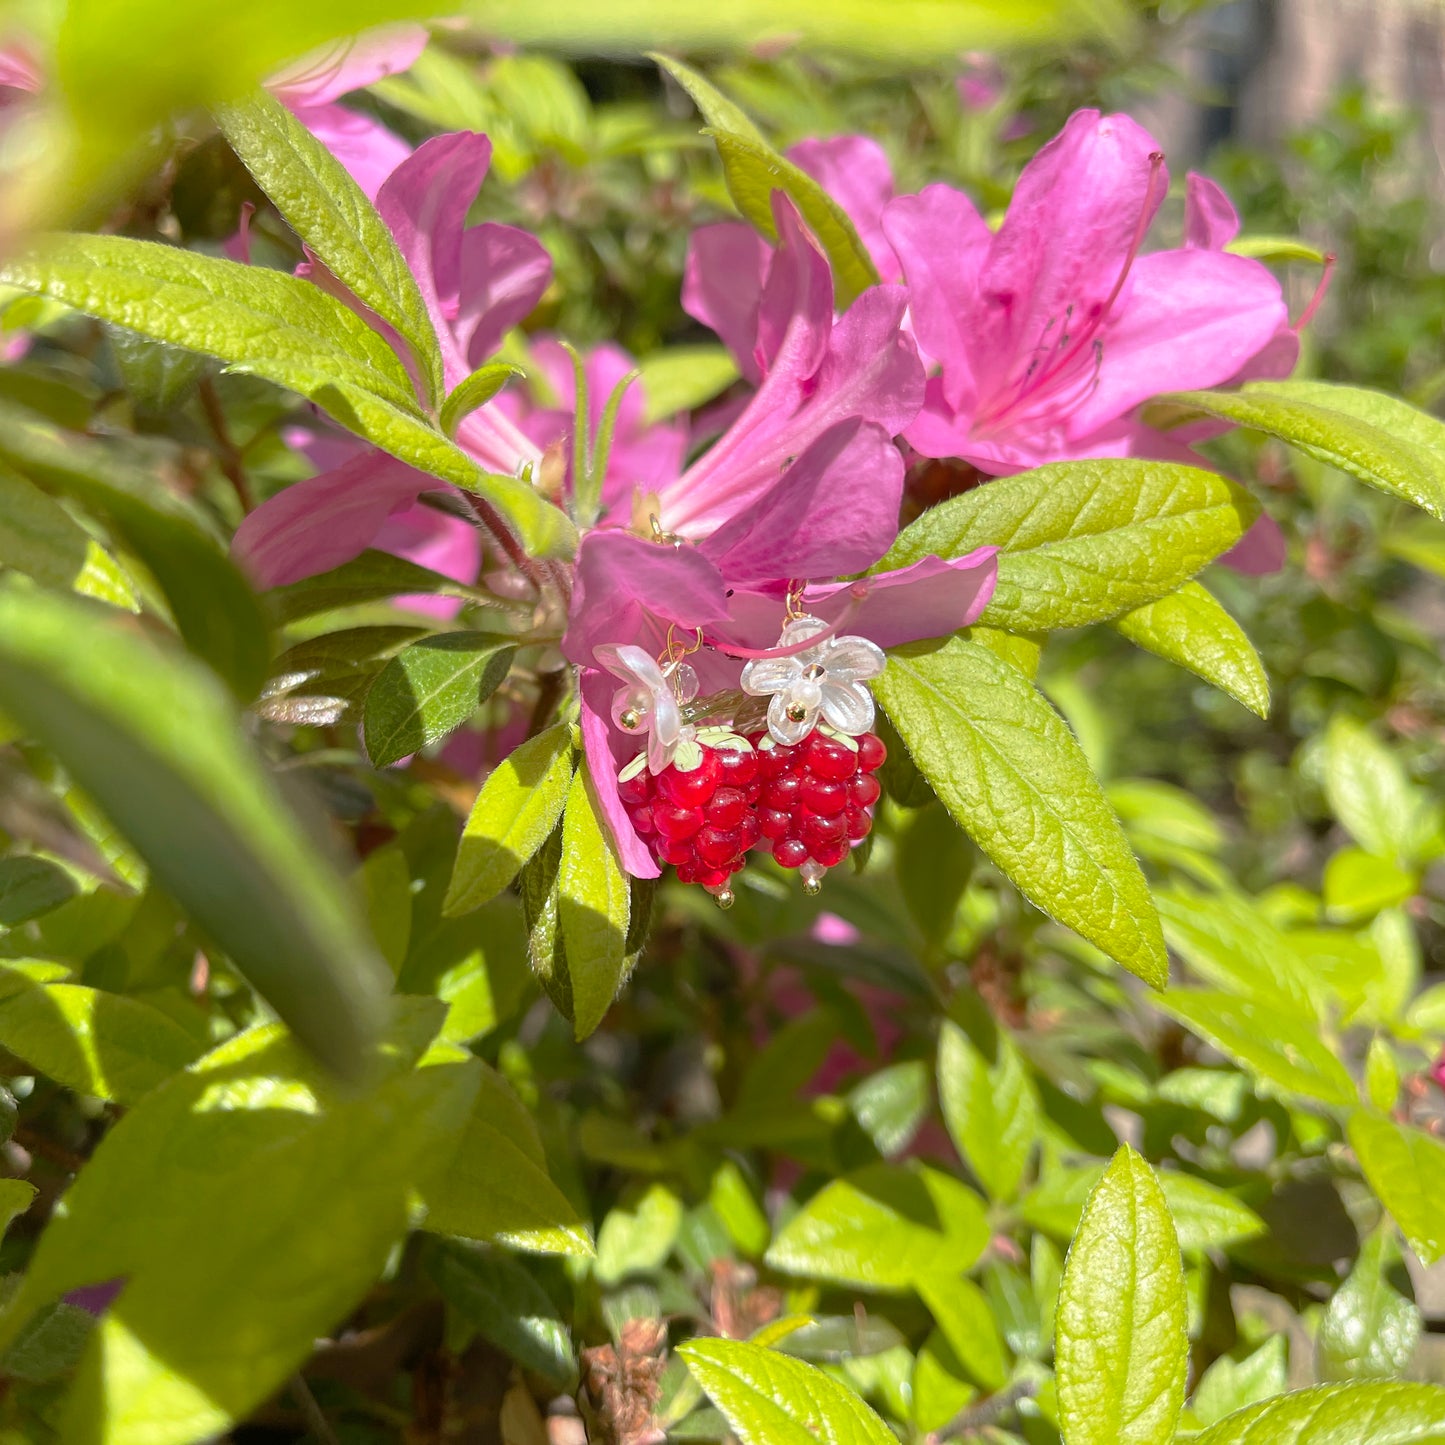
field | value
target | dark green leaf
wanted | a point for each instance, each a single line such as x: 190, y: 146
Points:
x: 30, y: 887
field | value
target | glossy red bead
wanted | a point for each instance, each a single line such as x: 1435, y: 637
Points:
x: 828, y: 758
x: 690, y: 789
x: 818, y: 832
x: 831, y: 854
x: 822, y: 796
x: 717, y: 847
x: 783, y: 792
x: 727, y: 809
x: 642, y: 819
x: 739, y: 766
x: 774, y: 823
x: 863, y: 791
x: 871, y: 752
x: 637, y: 789
x: 675, y: 821
x: 791, y: 853
x: 859, y: 823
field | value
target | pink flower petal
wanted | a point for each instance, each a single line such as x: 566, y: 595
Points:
x: 504, y: 272
x: 854, y: 171
x: 604, y: 749
x: 722, y: 287
x: 369, y: 151
x: 1260, y: 551
x: 1210, y: 220
x: 438, y: 540
x: 351, y: 64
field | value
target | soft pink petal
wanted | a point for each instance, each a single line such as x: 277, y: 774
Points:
x: 351, y: 64
x: 492, y: 439
x: 1210, y: 220
x: 797, y: 293
x: 854, y: 171
x: 1260, y: 551
x: 604, y: 748
x: 834, y: 511
x: 932, y: 598
x: 323, y: 448
x: 318, y: 524
x: 722, y: 286
x: 437, y: 540
x: 369, y: 151
x: 1190, y: 319
x: 19, y: 69
x: 629, y: 590
x: 504, y: 273
x: 942, y: 242
x: 1076, y: 214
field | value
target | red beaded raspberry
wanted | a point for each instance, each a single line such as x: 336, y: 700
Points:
x: 701, y: 821
x: 817, y: 799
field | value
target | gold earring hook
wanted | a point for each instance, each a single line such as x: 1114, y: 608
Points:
x: 675, y: 650
x: 793, y: 607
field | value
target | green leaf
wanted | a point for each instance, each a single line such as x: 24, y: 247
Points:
x: 1406, y: 1169
x: 506, y: 1305
x: 30, y: 887
x: 430, y: 689
x: 15, y: 1198
x: 1121, y: 1351
x: 366, y: 578
x: 474, y: 391
x: 991, y: 1112
x: 683, y: 377
x: 40, y: 538
x: 891, y: 1104
x: 153, y: 741
x: 1281, y: 1050
x: 1276, y: 248
x: 1010, y: 771
x: 773, y: 1399
x: 962, y: 1312
x: 328, y: 210
x: 517, y: 808
x: 1084, y: 541
x: 101, y: 1044
x: 1229, y: 1384
x: 1371, y: 1325
x: 238, y: 1184
x: 158, y: 377
x: 637, y: 1238
x: 1382, y: 1414
x: 1357, y: 885
x: 753, y: 170
x: 934, y: 862
x: 883, y: 1228
x: 1368, y: 791
x: 1385, y: 442
x: 217, y: 614
x: 495, y: 1184
x: 594, y: 905
x: 1190, y: 628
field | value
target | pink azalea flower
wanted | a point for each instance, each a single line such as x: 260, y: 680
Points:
x: 311, y: 86
x: 477, y: 283
x: 1049, y: 334
x: 802, y: 489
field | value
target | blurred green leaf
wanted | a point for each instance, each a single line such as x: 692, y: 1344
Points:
x: 961, y: 1310
x: 1282, y: 1051
x: 683, y: 377
x: 1190, y: 628
x: 517, y: 808
x: 152, y: 739
x: 30, y: 887
x: 1406, y: 1169
x: 1009, y: 770
x: 934, y: 861
x: 329, y: 212
x: 1229, y: 1384
x: 1383, y: 1414
x: 773, y: 1399
x: 883, y: 1228
x: 1084, y: 541
x: 429, y: 689
x: 1385, y: 442
x: 1370, y: 1327
x: 1121, y: 1350
x: 1357, y: 885
x: 1369, y: 792
x: 594, y: 906
x: 97, y: 1043
x: 636, y: 1238
x: 991, y: 1111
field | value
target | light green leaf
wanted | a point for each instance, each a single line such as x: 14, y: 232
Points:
x: 214, y: 608
x: 430, y: 689
x: 1190, y: 628
x: 1281, y: 1050
x: 237, y: 1185
x: 891, y: 1104
x: 15, y: 1198
x: 152, y: 739
x: 594, y: 906
x: 991, y: 1111
x: 1084, y: 541
x: 961, y: 1310
x: 40, y: 538
x: 495, y: 1184
x: 1121, y: 1350
x: 501, y: 1299
x: 1369, y: 793
x: 1385, y: 442
x: 1276, y: 248
x: 1382, y: 1075
x: 773, y: 1399
x: 366, y: 578
x: 754, y: 170
x: 328, y: 210
x: 158, y: 377
x: 474, y: 391
x: 1382, y: 1414
x: 1010, y: 771
x: 517, y: 808
x: 1406, y: 1169
x: 1357, y: 885
x: 31, y: 887
x: 680, y: 378
x: 1371, y: 1325
x: 637, y: 1238
x: 883, y: 1228
x: 1229, y: 1384
x: 102, y: 1044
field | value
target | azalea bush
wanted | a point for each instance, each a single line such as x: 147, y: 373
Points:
x: 742, y: 747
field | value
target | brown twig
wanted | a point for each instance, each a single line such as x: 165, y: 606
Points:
x: 228, y: 454
x: 986, y: 1412
x: 315, y: 1416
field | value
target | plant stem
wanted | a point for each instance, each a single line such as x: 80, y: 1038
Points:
x: 228, y: 454
x: 986, y: 1412
x: 316, y: 1421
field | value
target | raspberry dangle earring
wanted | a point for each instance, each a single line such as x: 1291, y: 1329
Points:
x: 819, y: 756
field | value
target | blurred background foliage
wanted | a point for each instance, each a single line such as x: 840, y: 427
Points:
x: 760, y: 1054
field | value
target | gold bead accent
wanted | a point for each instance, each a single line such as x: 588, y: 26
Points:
x: 796, y: 712
x: 812, y: 886
x: 724, y: 898
x: 629, y: 719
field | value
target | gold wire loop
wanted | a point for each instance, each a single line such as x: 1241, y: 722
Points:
x: 676, y: 649
x: 795, y: 601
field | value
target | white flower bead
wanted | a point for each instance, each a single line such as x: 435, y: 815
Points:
x: 646, y: 705
x: 826, y: 681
